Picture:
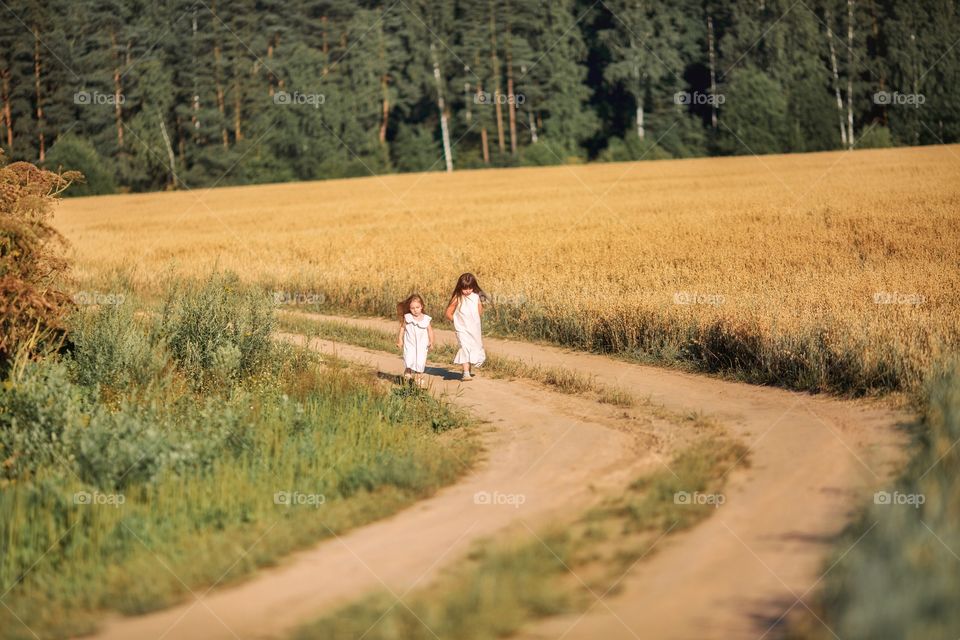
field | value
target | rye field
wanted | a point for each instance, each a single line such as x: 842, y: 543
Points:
x: 835, y: 271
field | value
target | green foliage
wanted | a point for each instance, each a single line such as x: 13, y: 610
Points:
x: 414, y: 149
x: 548, y: 152
x: 37, y: 409
x: 111, y: 349
x: 72, y: 152
x: 191, y: 476
x: 203, y: 109
x: 632, y: 148
x: 875, y: 138
x: 754, y: 119
x: 218, y: 330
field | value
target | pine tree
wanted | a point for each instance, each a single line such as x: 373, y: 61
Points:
x: 566, y: 121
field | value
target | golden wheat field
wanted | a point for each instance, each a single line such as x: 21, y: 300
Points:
x: 829, y: 271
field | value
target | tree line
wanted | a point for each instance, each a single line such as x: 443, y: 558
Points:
x: 180, y: 93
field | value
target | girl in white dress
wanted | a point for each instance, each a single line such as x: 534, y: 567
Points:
x: 465, y: 309
x: 415, y: 338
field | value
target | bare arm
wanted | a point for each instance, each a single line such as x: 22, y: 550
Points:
x: 450, y: 309
x: 430, y: 335
x: 400, y: 336
x: 480, y: 307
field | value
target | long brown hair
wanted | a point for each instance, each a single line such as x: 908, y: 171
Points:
x: 467, y: 281
x: 403, y: 307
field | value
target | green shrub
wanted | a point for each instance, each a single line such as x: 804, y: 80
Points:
x: 73, y: 153
x: 632, y: 148
x: 119, y: 449
x: 198, y: 473
x: 110, y: 349
x: 875, y: 138
x: 218, y: 332
x: 547, y: 153
x: 37, y: 409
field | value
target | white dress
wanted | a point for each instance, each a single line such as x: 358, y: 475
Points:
x: 466, y: 321
x: 415, y: 341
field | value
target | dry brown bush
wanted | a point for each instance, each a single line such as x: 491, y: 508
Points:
x: 32, y: 267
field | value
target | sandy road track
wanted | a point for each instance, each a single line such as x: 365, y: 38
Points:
x: 813, y: 460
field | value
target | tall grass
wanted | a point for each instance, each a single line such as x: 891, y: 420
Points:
x: 896, y: 573
x: 147, y: 463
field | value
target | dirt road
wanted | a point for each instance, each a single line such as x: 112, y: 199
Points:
x: 813, y: 460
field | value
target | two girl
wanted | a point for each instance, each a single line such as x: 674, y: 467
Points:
x: 416, y: 333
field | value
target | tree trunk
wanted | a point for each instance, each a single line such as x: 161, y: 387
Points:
x: 274, y: 43
x: 495, y: 65
x: 836, y: 81
x: 850, y: 138
x: 511, y: 98
x: 533, y: 124
x: 484, y: 138
x: 195, y: 118
x: 181, y: 142
x: 117, y: 89
x: 638, y: 94
x: 166, y: 140
x: 237, y: 103
x: 36, y: 81
x: 444, y: 128
x: 711, y: 47
x: 218, y: 78
x: 882, y: 80
x: 7, y: 110
x: 325, y: 46
x: 385, y: 107
x: 485, y: 142
x: 386, y: 113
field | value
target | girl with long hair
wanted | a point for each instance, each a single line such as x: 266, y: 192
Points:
x: 464, y: 310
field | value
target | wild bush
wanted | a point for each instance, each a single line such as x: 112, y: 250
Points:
x: 217, y: 331
x: 32, y: 268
